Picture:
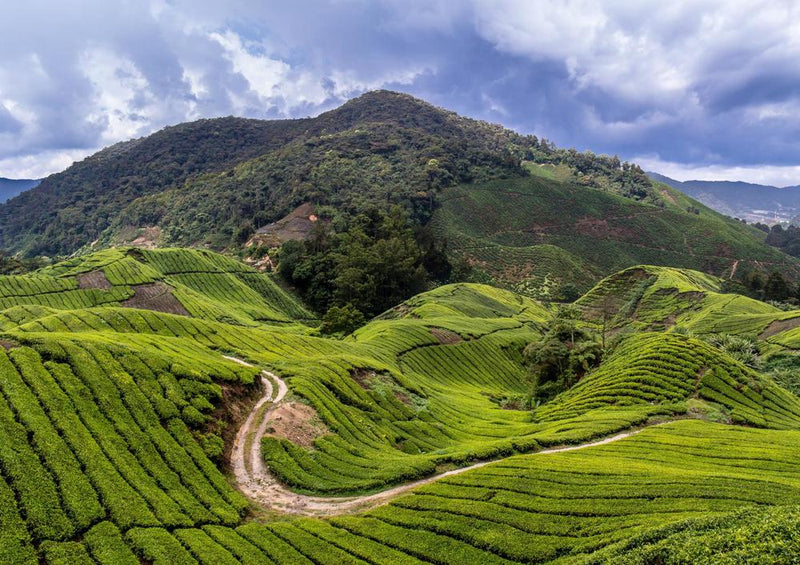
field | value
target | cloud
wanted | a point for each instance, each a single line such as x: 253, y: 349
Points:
x: 78, y: 80
x: 31, y: 166
x: 8, y: 123
x: 702, y: 83
x: 691, y: 81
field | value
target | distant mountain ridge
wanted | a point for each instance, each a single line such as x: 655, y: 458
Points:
x: 753, y: 202
x: 9, y: 188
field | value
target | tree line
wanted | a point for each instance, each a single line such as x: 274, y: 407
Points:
x: 376, y: 263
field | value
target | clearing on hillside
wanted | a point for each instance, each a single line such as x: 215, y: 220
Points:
x: 155, y: 296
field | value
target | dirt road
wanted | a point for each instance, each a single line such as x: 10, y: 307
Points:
x: 257, y: 483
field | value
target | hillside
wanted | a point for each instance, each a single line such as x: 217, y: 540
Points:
x: 184, y: 282
x: 548, y: 217
x: 752, y: 202
x: 539, y: 233
x: 381, y: 135
x: 9, y: 188
x: 195, y: 425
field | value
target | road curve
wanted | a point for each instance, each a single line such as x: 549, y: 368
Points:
x: 257, y: 483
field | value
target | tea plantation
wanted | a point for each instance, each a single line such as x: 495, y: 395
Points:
x: 125, y: 375
x: 537, y: 234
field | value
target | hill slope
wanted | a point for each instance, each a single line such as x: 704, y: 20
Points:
x: 175, y: 281
x: 646, y: 298
x: 366, y: 135
x: 117, y: 423
x: 520, y: 211
x: 540, y: 233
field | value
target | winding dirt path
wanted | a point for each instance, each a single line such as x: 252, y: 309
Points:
x: 258, y: 484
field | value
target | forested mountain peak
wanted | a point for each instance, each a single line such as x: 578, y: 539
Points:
x: 72, y: 208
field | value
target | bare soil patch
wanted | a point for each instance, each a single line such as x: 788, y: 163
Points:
x: 93, y: 279
x: 779, y: 326
x: 402, y: 397
x: 8, y: 344
x: 297, y: 422
x: 600, y: 227
x: 670, y: 320
x: 294, y: 226
x: 381, y: 383
x: 155, y: 296
x: 446, y: 337
x: 147, y: 238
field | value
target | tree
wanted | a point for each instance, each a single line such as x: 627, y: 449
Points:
x: 342, y: 319
x: 570, y: 293
x: 776, y: 287
x: 562, y: 356
x: 243, y: 233
x: 375, y: 264
x: 754, y: 283
x: 608, y: 309
x: 289, y: 257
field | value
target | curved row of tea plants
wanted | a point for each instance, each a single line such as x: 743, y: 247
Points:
x: 106, y: 454
x: 613, y: 503
x: 207, y: 285
x: 654, y: 368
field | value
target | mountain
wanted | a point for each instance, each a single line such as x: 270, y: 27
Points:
x: 377, y: 147
x: 175, y: 406
x: 751, y: 202
x: 9, y: 188
x: 538, y: 234
x: 513, y: 210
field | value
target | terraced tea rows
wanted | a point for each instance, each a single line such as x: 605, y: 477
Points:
x: 93, y: 432
x: 536, y: 231
x: 671, y: 369
x: 198, y: 283
x: 648, y: 297
x: 580, y: 506
x: 112, y: 418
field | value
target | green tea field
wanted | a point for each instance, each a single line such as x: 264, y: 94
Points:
x: 175, y: 406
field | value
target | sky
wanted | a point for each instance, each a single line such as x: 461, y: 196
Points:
x: 704, y: 89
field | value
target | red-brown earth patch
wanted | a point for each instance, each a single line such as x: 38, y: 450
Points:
x: 779, y: 326
x: 446, y: 337
x: 157, y: 297
x: 297, y: 422
x: 93, y: 279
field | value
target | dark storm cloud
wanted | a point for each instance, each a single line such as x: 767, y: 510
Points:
x: 683, y: 86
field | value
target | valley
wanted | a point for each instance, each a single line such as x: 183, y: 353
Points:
x: 133, y: 433
x: 389, y: 334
